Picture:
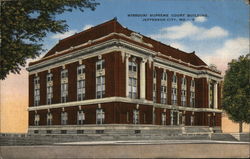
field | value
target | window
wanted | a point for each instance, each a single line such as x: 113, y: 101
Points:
x: 164, y: 76
x: 63, y: 131
x: 37, y: 119
x: 80, y: 117
x: 100, y: 86
x: 81, y: 70
x: 174, y: 90
x: 80, y: 131
x: 100, y: 79
x: 64, y: 86
x: 132, y: 87
x: 154, y: 86
x: 192, y: 94
x: 136, y: 117
x: 132, y: 84
x: 36, y: 91
x: 191, y: 120
x: 81, y: 82
x: 100, y: 65
x: 174, y: 80
x: 49, y: 118
x: 164, y: 88
x: 49, y: 94
x: 183, y: 92
x: 183, y: 97
x: 100, y: 116
x: 64, y: 118
x: 154, y: 92
x: 49, y: 77
x: 49, y: 88
x: 174, y: 96
x: 163, y: 118
x: 163, y: 94
x: 211, y: 95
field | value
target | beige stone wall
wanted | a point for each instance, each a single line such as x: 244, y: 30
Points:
x: 14, y: 104
x: 228, y: 126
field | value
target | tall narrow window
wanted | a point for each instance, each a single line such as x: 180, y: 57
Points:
x: 164, y: 88
x: 49, y: 118
x: 174, y: 90
x: 132, y: 85
x: 49, y: 88
x: 64, y: 118
x: 211, y: 95
x: 154, y: 86
x: 163, y: 118
x: 100, y: 116
x: 81, y: 83
x: 36, y: 91
x: 80, y: 117
x: 100, y: 79
x: 136, y: 116
x: 37, y: 119
x: 192, y: 94
x: 64, y: 86
x: 183, y: 92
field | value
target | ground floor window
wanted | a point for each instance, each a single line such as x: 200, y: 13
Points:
x: 49, y: 118
x: 136, y: 116
x: 163, y: 119
x: 80, y: 117
x: 191, y: 120
x: 64, y: 118
x: 100, y: 116
x: 174, y: 118
x: 37, y: 119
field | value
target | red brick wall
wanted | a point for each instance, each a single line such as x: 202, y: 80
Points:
x: 31, y: 90
x: 72, y: 81
x: 188, y: 89
x: 201, y: 93
x: 56, y: 84
x: 159, y: 72
x: 90, y: 69
x: 179, y: 77
x: 169, y: 92
x: 43, y: 87
x: 149, y: 81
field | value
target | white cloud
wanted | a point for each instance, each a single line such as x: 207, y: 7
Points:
x: 64, y: 35
x: 87, y: 27
x: 200, y: 19
x: 191, y: 31
x: 214, y: 32
x: 231, y: 49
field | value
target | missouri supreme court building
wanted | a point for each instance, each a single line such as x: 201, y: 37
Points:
x: 110, y: 76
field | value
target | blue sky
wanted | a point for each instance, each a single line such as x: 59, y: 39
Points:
x: 217, y: 38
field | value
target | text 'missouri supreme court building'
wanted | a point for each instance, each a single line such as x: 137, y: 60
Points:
x: 110, y: 75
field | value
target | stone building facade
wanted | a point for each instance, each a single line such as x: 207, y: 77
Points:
x: 110, y: 75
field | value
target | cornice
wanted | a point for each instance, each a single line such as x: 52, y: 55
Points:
x: 120, y: 99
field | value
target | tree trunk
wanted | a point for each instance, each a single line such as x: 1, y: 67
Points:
x: 240, y: 127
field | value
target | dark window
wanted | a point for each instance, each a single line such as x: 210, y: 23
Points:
x: 63, y: 131
x: 80, y: 131
x: 99, y: 131
x: 137, y: 131
x: 36, y: 131
x: 49, y: 131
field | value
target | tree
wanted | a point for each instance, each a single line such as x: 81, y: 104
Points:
x: 236, y: 90
x: 25, y: 23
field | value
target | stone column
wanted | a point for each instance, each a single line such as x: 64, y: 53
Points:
x: 142, y: 79
x: 215, y: 95
x: 126, y: 70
